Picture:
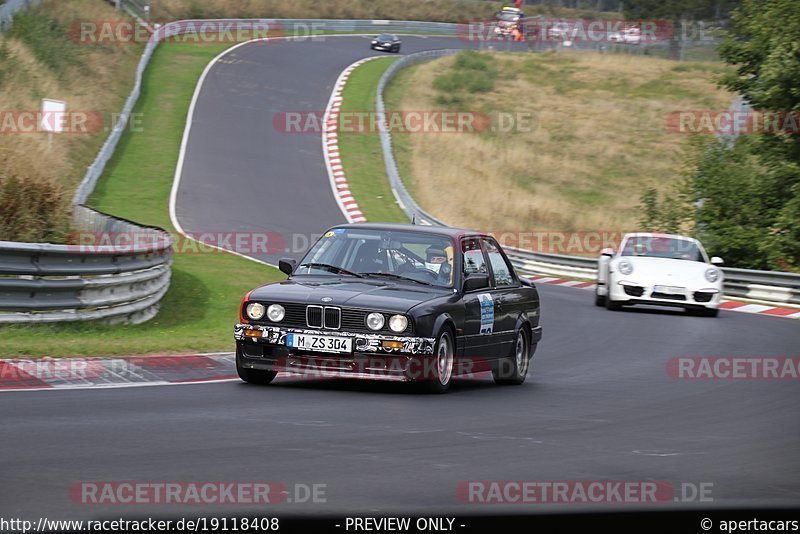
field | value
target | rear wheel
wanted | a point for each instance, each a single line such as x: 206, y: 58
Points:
x: 254, y: 376
x: 514, y: 369
x: 442, y: 367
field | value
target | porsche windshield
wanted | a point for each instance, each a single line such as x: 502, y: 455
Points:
x: 663, y: 247
x: 397, y: 255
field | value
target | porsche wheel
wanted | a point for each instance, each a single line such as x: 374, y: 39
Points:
x: 599, y: 300
x: 612, y: 304
x: 514, y: 369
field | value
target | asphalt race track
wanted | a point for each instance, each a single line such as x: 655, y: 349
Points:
x: 599, y: 404
x: 241, y: 173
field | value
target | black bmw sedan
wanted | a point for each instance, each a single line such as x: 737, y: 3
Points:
x: 392, y: 302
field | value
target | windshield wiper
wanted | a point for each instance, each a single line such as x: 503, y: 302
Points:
x: 397, y: 277
x: 331, y: 268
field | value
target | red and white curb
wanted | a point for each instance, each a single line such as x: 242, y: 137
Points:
x: 330, y: 148
x: 104, y: 373
x: 732, y: 305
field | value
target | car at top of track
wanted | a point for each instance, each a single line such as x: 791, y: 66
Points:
x: 663, y: 269
x: 386, y: 41
x: 395, y: 302
x: 630, y: 35
x: 507, y: 20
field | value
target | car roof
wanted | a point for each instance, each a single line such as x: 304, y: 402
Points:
x: 445, y: 231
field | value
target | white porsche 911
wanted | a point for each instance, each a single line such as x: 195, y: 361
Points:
x: 663, y: 269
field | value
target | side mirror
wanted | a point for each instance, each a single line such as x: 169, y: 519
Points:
x: 287, y: 265
x: 607, y: 252
x: 716, y: 260
x: 476, y: 281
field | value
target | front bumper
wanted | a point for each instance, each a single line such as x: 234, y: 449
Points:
x: 383, y: 46
x: 635, y: 293
x: 370, y: 357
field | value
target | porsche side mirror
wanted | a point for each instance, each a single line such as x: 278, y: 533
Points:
x: 716, y: 260
x: 607, y: 252
x: 476, y: 281
x: 287, y: 265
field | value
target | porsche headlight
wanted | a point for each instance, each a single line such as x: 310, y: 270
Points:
x: 276, y: 312
x: 625, y: 267
x: 398, y: 323
x: 255, y: 311
x: 375, y: 321
x: 712, y: 275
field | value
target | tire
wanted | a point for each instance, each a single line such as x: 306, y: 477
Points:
x: 444, y: 359
x: 704, y: 312
x: 599, y: 300
x: 612, y: 305
x: 254, y: 376
x: 513, y: 370
x: 397, y: 49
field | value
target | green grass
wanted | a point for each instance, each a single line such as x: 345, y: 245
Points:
x: 361, y: 153
x: 198, y: 312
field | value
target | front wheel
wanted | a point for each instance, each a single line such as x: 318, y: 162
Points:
x: 704, y: 312
x: 514, y: 369
x: 254, y: 376
x: 599, y: 300
x: 442, y: 368
x: 612, y: 304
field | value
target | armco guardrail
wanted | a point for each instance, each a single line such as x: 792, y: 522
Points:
x: 120, y: 273
x: 766, y: 286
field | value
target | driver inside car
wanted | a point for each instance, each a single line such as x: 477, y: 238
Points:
x: 438, y: 261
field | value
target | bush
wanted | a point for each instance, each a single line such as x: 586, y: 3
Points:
x: 32, y: 210
x: 471, y: 72
x: 48, y: 39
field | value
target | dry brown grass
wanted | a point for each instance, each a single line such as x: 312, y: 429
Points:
x: 600, y: 140
x: 98, y: 82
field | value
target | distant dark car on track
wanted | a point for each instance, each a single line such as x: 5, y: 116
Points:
x: 394, y: 302
x: 386, y: 41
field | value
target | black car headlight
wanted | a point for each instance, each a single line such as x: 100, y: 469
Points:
x: 255, y: 311
x: 398, y: 323
x: 275, y: 313
x: 375, y: 321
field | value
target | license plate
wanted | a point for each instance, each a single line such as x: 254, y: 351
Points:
x: 669, y: 290
x: 335, y: 344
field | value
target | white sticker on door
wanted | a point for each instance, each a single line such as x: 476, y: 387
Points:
x: 487, y: 313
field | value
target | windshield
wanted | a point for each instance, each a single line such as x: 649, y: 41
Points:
x: 508, y: 17
x: 398, y: 255
x: 385, y: 37
x: 663, y: 247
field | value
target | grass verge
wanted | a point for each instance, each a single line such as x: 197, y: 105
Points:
x: 201, y: 306
x: 598, y: 137
x: 361, y: 152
